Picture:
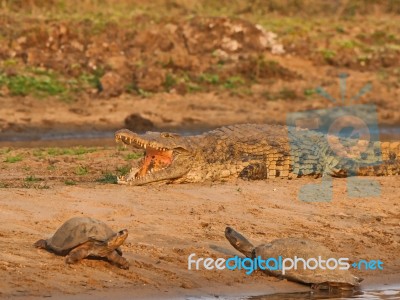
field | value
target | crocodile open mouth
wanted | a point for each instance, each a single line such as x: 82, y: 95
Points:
x: 156, y: 158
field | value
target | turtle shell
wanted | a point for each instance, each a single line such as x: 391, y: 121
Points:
x: 77, y: 231
x: 306, y: 249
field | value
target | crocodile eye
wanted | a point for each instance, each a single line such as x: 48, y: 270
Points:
x: 168, y: 134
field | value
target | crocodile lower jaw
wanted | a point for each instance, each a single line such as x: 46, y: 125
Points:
x: 154, y: 161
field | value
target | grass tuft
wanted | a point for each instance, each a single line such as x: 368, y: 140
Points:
x: 81, y: 170
x: 108, y: 178
x: 69, y: 182
x: 13, y: 159
x: 123, y: 170
x: 131, y: 156
x: 33, y: 178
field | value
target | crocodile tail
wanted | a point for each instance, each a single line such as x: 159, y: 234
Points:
x: 390, y: 157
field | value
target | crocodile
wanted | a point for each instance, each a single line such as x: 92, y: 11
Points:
x: 255, y: 151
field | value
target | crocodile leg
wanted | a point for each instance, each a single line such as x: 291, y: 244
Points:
x: 254, y: 171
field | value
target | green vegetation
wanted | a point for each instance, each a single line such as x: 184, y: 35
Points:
x: 328, y: 54
x: 131, y: 156
x: 170, y: 81
x: 108, y: 178
x: 209, y: 78
x: 233, y: 82
x: 5, y: 151
x: 193, y: 87
x: 123, y: 170
x: 33, y: 178
x: 75, y: 151
x: 203, y: 81
x: 38, y: 153
x: 81, y: 170
x: 103, y: 10
x: 349, y: 44
x: 42, y: 83
x: 90, y: 79
x: 309, y: 92
x: 69, y: 182
x: 22, y: 85
x: 143, y: 93
x: 13, y: 159
x: 51, y: 168
x: 69, y: 151
x: 326, y: 32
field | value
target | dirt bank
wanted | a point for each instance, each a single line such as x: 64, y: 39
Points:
x: 169, y: 222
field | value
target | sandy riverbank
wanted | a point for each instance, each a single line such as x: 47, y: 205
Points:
x: 169, y: 222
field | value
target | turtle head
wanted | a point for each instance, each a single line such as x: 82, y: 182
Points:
x: 239, y: 242
x: 117, y: 239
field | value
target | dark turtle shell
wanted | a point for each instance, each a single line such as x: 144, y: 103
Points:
x: 77, y: 231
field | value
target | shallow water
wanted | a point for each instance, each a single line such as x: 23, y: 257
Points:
x: 106, y: 138
x: 387, y: 294
x: 70, y: 138
x: 391, y: 292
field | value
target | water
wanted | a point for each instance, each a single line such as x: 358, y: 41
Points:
x: 58, y: 139
x: 387, y: 294
x: 106, y: 138
x: 87, y: 138
x: 391, y: 292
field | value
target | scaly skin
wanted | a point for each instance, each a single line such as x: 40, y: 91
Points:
x: 252, y: 151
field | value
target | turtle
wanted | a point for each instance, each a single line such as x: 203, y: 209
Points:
x: 320, y: 279
x: 81, y: 237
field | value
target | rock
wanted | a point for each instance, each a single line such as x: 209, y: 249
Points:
x: 137, y: 123
x: 150, y: 79
x: 111, y: 85
x: 116, y: 62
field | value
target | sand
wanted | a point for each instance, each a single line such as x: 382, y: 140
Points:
x: 167, y: 223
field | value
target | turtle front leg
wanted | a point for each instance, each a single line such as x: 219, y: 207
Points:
x: 118, y: 260
x: 77, y: 254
